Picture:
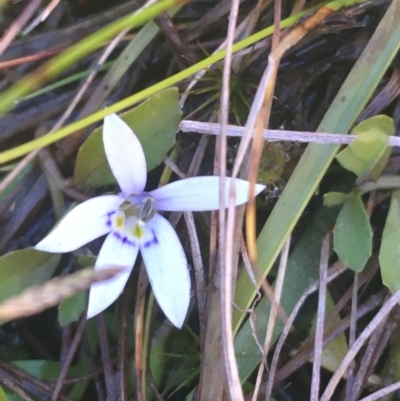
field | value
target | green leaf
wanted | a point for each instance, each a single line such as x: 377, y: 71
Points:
x: 71, y: 309
x: 368, y: 151
x: 382, y: 122
x: 389, y: 255
x: 25, y: 268
x: 155, y: 123
x: 332, y: 199
x: 353, y: 235
x: 386, y: 125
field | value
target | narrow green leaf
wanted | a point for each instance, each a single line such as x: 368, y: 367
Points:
x: 362, y: 155
x: 353, y: 234
x: 389, y: 255
x: 155, y: 123
x: 332, y: 199
x: 25, y: 268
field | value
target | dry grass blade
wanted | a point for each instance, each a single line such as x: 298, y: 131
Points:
x: 37, y: 299
x: 263, y: 114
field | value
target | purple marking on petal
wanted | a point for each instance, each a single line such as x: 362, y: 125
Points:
x: 153, y: 241
x: 124, y: 239
x: 109, y: 222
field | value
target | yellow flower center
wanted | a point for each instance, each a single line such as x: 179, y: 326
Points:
x: 133, y: 214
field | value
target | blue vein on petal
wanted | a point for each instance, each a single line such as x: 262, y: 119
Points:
x: 109, y: 222
x: 153, y: 241
x: 124, y: 239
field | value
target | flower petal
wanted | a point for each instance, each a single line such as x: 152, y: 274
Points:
x: 82, y: 224
x: 125, y: 155
x: 167, y: 269
x: 114, y: 252
x: 198, y: 194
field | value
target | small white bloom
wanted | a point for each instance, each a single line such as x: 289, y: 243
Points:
x: 131, y: 222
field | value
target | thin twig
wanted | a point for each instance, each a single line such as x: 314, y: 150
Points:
x: 273, y: 314
x: 319, y: 329
x: 41, y: 17
x: 380, y: 393
x: 28, y: 59
x: 169, y: 163
x: 106, y: 358
x: 226, y: 247
x: 71, y: 353
x: 143, y: 283
x: 198, y: 270
x: 17, y: 25
x: 125, y: 302
x: 352, y: 338
x: 15, y: 389
x: 276, y: 135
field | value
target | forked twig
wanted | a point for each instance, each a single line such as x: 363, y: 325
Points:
x: 363, y: 337
x: 332, y: 274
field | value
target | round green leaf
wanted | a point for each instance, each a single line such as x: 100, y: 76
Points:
x: 353, y: 235
x: 364, y: 154
x: 154, y: 122
x: 382, y: 122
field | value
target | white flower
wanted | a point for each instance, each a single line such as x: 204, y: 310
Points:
x: 131, y: 222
